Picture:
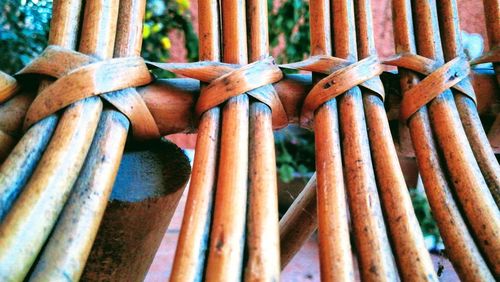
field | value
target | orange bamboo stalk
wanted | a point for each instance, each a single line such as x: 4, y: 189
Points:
x: 452, y: 47
x: 373, y: 248
x: 299, y: 222
x: 333, y: 230
x: 72, y: 238
x: 478, y: 205
x: 413, y: 260
x: 462, y: 251
x: 23, y: 233
x: 227, y: 235
x: 263, y: 262
x: 189, y: 260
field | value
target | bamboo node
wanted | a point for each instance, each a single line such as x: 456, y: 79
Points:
x: 342, y: 76
x: 80, y: 76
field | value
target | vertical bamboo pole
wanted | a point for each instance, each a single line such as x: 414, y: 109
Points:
x: 299, y: 222
x: 23, y: 159
x: 413, y: 259
x: 333, y: 231
x: 189, y: 260
x: 227, y: 237
x: 23, y: 232
x: 462, y: 251
x: 452, y: 47
x: 492, y: 15
x: 374, y: 250
x: 478, y: 205
x: 263, y: 220
x: 71, y: 241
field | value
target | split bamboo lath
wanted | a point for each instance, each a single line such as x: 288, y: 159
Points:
x: 76, y: 202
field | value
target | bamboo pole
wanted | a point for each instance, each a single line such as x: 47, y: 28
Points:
x: 333, y: 231
x: 372, y: 244
x: 299, y: 222
x: 227, y: 236
x: 462, y: 251
x: 22, y: 161
x: 190, y: 255
x: 71, y: 241
x: 478, y: 205
x: 452, y: 47
x: 23, y: 232
x: 413, y: 259
x: 263, y: 263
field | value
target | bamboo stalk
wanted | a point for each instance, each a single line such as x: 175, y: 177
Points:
x: 23, y: 232
x: 263, y: 262
x: 190, y: 255
x: 478, y: 205
x: 22, y: 161
x: 492, y: 16
x: 413, y: 260
x: 227, y: 237
x: 71, y: 241
x: 372, y: 244
x: 333, y: 230
x: 462, y: 251
x: 452, y: 47
x: 299, y: 222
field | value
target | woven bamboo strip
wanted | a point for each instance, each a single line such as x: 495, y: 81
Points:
x: 462, y: 251
x: 69, y: 246
x: 189, y: 260
x: 333, y: 231
x: 372, y: 244
x: 478, y: 205
x: 413, y: 260
x: 263, y: 263
x: 227, y: 236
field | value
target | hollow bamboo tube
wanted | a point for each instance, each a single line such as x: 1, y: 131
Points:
x: 299, y: 222
x: 190, y: 255
x: 372, y: 244
x: 462, y: 251
x: 413, y: 259
x: 23, y: 232
x: 69, y: 246
x: 263, y: 263
x: 479, y: 208
x: 333, y: 231
x: 23, y: 159
x: 452, y: 47
x: 227, y: 236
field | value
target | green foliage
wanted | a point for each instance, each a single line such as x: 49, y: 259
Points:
x: 424, y: 214
x: 23, y: 31
x: 291, y: 22
x: 294, y: 153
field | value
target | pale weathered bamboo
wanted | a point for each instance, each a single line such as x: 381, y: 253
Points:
x: 412, y: 257
x: 370, y: 235
x: 333, y: 231
x: 452, y: 47
x: 263, y: 262
x: 227, y: 236
x: 299, y: 222
x: 22, y: 161
x: 11, y: 119
x: 479, y: 208
x: 462, y: 251
x: 31, y: 219
x: 70, y: 243
x: 191, y: 252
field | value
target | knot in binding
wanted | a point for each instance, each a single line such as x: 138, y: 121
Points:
x: 229, y: 80
x: 439, y: 78
x: 80, y: 76
x: 342, y: 75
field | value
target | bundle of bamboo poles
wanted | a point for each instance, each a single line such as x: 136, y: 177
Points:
x: 56, y: 181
